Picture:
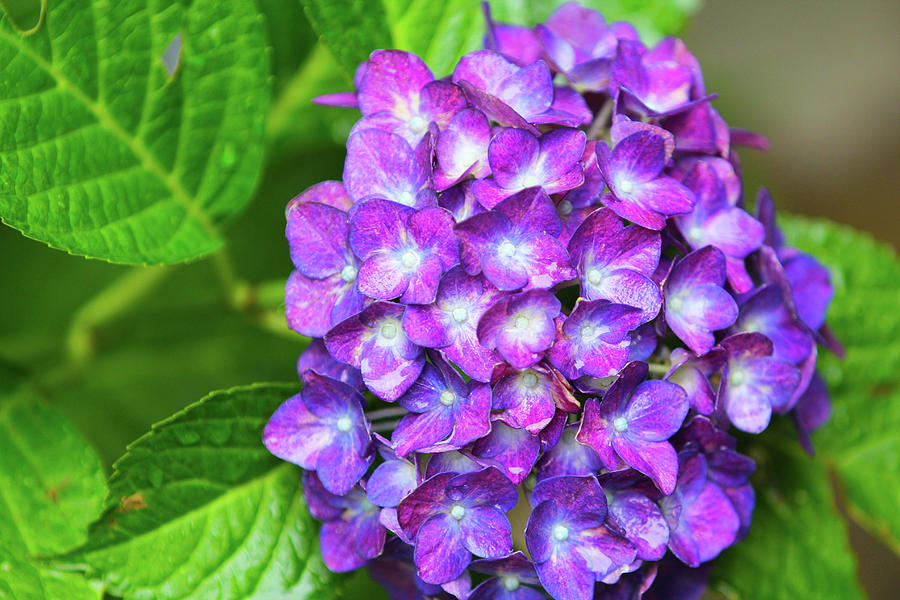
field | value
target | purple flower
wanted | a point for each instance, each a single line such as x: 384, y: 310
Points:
x: 634, y: 514
x: 692, y: 373
x: 392, y: 481
x: 398, y: 94
x: 520, y: 327
x: 652, y: 83
x: 512, y: 573
x: 446, y: 413
x: 615, y: 262
x: 512, y: 451
x: 453, y: 516
x: 568, y: 457
x: 323, y: 290
x: 451, y: 462
x: 754, y: 382
x: 332, y: 193
x: 451, y: 322
x: 461, y: 201
x: 404, y: 251
x: 812, y: 410
x: 702, y: 520
x: 528, y: 399
x: 383, y: 165
x: 374, y: 342
x: 515, y: 244
x: 696, y: 303
x: 316, y: 359
x: 323, y: 429
x: 639, y: 191
x: 351, y: 533
x: 594, y: 339
x: 462, y: 149
x: 566, y: 538
x: 520, y: 160
x: 633, y: 423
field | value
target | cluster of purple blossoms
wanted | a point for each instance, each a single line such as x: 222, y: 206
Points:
x: 538, y: 287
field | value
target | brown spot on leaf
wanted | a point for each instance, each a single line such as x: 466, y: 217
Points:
x: 132, y: 502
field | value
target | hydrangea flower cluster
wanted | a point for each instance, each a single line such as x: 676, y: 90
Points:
x: 538, y: 287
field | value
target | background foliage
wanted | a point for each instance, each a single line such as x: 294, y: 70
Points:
x: 156, y: 168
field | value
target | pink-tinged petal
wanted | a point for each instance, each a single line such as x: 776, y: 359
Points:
x: 734, y: 232
x: 424, y: 325
x: 317, y: 234
x: 296, y: 435
x: 495, y: 108
x: 461, y: 201
x: 642, y: 523
x: 462, y: 147
x: 309, y: 302
x: 340, y: 468
x: 519, y: 44
x: 664, y: 195
x: 423, y: 283
x: 383, y: 277
x: 488, y: 193
x: 738, y: 277
x: 392, y: 82
x: 338, y: 99
x: 583, y: 27
x: 638, y: 158
x: 656, y: 410
x: 568, y: 100
x: 512, y: 155
x: 531, y: 211
x: 388, y: 375
x: 707, y: 526
x: 473, y: 416
x: 430, y: 497
x: 624, y: 286
x: 378, y: 225
x: 623, y: 127
x: 432, y: 230
x: 441, y: 101
x: 566, y: 576
x: 485, y: 69
x: 595, y: 433
x: 561, y: 150
x: 657, y: 460
x: 476, y: 235
x: 384, y: 165
x: 421, y: 430
x: 528, y: 91
x: 316, y: 359
x: 709, y: 308
x: 699, y: 129
x: 559, y: 51
x: 486, y: 532
x: 440, y: 555
x: 512, y: 451
x: 634, y: 211
x: 474, y: 359
x: 546, y: 262
x: 331, y: 193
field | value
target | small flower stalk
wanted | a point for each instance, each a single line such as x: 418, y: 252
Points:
x: 539, y: 304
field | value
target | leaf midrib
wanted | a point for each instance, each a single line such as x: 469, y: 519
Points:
x: 103, y: 116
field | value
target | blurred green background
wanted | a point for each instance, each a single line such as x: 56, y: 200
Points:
x: 819, y: 79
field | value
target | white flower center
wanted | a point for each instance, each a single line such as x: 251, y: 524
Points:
x: 560, y: 533
x: 565, y: 208
x: 529, y: 380
x: 409, y: 259
x: 388, y: 331
x: 626, y: 186
x: 620, y: 424
x: 506, y: 249
x: 343, y: 424
x: 594, y: 276
x: 676, y: 304
x: 737, y: 377
x: 447, y: 398
x: 522, y: 322
x: 457, y: 512
x: 510, y: 582
x: 417, y: 124
x: 460, y: 315
x: 588, y: 332
x: 695, y: 233
x: 407, y: 198
x: 349, y: 273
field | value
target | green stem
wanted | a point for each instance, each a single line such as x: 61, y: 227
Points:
x: 106, y: 306
x: 599, y: 127
x: 658, y: 369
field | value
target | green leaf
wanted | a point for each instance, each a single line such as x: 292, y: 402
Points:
x: 441, y: 32
x: 861, y: 440
x: 51, y: 488
x: 110, y: 156
x: 290, y: 38
x: 200, y: 509
x: 25, y: 15
x: 797, y: 546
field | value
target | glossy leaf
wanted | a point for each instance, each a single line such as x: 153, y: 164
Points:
x: 200, y: 509
x: 132, y: 131
x: 51, y: 488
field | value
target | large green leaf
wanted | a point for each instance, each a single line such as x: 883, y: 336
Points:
x: 104, y: 153
x: 798, y: 546
x: 441, y: 32
x: 200, y: 509
x: 51, y: 488
x: 862, y: 441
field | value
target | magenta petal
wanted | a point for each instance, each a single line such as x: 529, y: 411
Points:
x: 566, y: 576
x: 512, y: 451
x: 486, y: 532
x: 462, y: 145
x: 392, y: 82
x: 707, y: 526
x: 642, y: 522
x: 331, y: 193
x: 424, y: 326
x: 528, y: 91
x: 416, y: 431
x: 309, y: 302
x: 440, y: 555
x: 638, y: 158
x: 382, y: 277
x: 512, y: 154
x: 378, y: 225
x: 595, y: 433
x: 384, y: 165
x: 317, y: 234
x: 656, y: 410
x: 281, y: 439
x: 657, y: 460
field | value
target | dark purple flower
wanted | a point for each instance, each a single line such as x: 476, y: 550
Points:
x: 566, y: 538
x: 696, y: 303
x: 634, y: 514
x: 520, y: 327
x: 453, y: 516
x: 812, y: 410
x: 754, y: 381
x: 633, y: 423
x: 639, y: 191
x: 520, y: 160
x: 462, y: 149
x: 398, y: 94
x: 461, y: 201
x: 528, y: 399
x: 395, y: 572
x: 451, y: 462
x: 512, y: 573
x: 351, y: 533
x: 323, y: 429
x: 702, y: 520
x: 392, y: 481
x: 404, y: 251
x: 692, y: 373
x: 383, y: 165
x: 446, y: 413
x: 512, y: 451
x: 515, y: 244
x: 594, y: 339
x: 615, y: 262
x: 652, y: 84
x: 323, y: 290
x: 374, y: 342
x: 316, y: 359
x: 568, y: 457
x: 451, y: 322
